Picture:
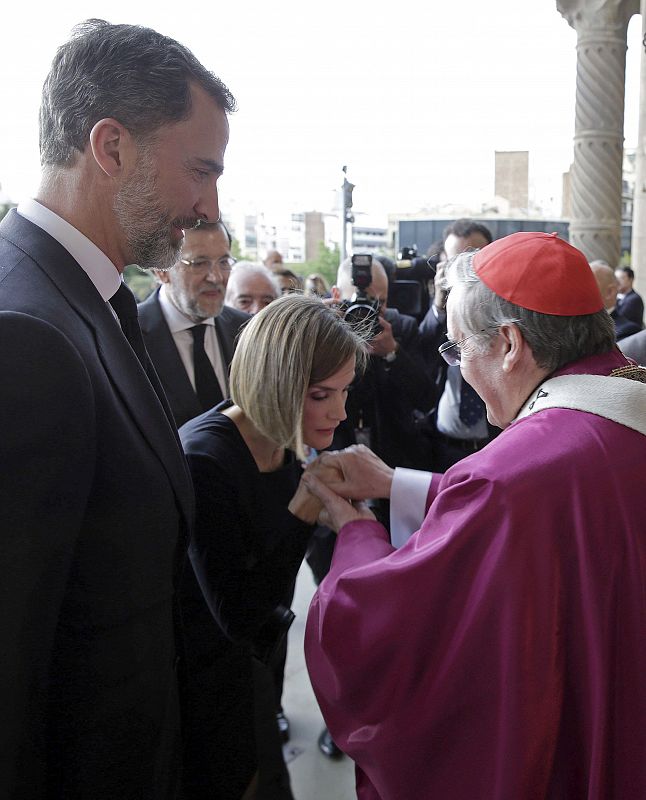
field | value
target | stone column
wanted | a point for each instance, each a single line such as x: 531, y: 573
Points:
x: 638, y: 246
x: 601, y: 27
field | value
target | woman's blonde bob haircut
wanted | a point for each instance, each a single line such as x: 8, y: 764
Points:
x: 294, y: 342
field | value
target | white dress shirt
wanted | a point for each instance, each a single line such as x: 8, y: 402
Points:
x: 448, y: 409
x: 408, y: 502
x: 180, y: 327
x: 94, y: 262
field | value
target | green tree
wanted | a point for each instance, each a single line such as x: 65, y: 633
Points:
x: 4, y: 208
x: 236, y: 252
x: 326, y: 263
x: 140, y: 281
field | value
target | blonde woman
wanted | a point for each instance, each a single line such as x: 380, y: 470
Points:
x: 289, y: 379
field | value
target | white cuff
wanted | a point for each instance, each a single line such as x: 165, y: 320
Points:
x: 407, y: 503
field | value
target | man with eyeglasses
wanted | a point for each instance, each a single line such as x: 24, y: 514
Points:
x: 500, y: 651
x: 188, y: 331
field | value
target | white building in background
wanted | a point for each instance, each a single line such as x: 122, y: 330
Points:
x: 369, y: 235
x: 297, y: 235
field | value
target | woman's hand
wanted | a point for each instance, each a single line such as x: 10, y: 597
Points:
x: 304, y: 504
x: 358, y: 473
x: 355, y: 472
x: 336, y: 511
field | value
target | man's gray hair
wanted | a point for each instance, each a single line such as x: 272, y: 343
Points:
x: 130, y: 73
x: 252, y: 268
x: 554, y: 340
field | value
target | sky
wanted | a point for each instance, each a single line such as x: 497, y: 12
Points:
x: 414, y: 98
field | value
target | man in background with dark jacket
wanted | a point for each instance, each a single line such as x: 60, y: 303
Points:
x: 189, y: 332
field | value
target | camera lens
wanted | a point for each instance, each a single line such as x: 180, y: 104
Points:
x: 364, y: 318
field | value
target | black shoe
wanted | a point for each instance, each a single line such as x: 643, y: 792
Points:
x: 283, y: 726
x: 327, y: 746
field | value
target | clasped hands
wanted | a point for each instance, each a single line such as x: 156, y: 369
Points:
x: 334, y: 487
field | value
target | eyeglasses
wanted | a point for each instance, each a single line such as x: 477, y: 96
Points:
x: 224, y: 264
x: 450, y: 351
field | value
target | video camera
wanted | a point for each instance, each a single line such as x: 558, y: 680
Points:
x: 362, y: 311
x: 409, y: 291
x: 408, y: 259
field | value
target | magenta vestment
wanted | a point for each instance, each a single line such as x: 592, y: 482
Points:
x: 501, y: 653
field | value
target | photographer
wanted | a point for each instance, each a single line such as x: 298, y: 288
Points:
x: 458, y: 426
x: 382, y: 403
x: 412, y: 267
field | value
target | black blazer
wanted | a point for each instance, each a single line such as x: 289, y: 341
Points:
x: 631, y: 306
x: 623, y: 326
x: 165, y: 356
x: 96, y: 506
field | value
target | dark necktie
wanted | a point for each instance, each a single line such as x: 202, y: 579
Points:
x: 471, y: 406
x: 207, y: 386
x: 125, y: 306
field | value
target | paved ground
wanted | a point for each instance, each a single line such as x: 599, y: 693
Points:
x: 313, y: 776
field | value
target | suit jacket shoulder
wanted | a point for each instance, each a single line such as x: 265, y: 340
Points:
x: 405, y: 327
x: 227, y: 325
x: 635, y: 347
x: 232, y: 317
x: 623, y: 326
x: 632, y: 307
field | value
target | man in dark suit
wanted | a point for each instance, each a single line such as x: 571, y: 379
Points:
x: 188, y: 331
x: 382, y: 402
x: 95, y: 498
x: 609, y: 287
x: 629, y: 303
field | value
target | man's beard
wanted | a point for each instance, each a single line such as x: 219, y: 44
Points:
x: 191, y: 307
x: 145, y: 224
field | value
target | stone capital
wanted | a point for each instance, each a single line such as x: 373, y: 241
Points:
x: 611, y: 16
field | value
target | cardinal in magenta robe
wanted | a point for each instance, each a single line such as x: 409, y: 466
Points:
x: 500, y: 652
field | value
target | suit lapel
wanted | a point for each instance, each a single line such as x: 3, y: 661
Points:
x: 225, y: 339
x: 145, y: 400
x: 227, y: 327
x: 159, y: 341
x: 226, y: 348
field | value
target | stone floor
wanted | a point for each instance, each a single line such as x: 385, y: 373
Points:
x: 313, y: 776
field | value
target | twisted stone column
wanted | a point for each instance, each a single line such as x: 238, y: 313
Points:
x: 638, y: 246
x: 601, y: 27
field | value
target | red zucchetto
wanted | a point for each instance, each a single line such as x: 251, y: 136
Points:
x: 540, y: 272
